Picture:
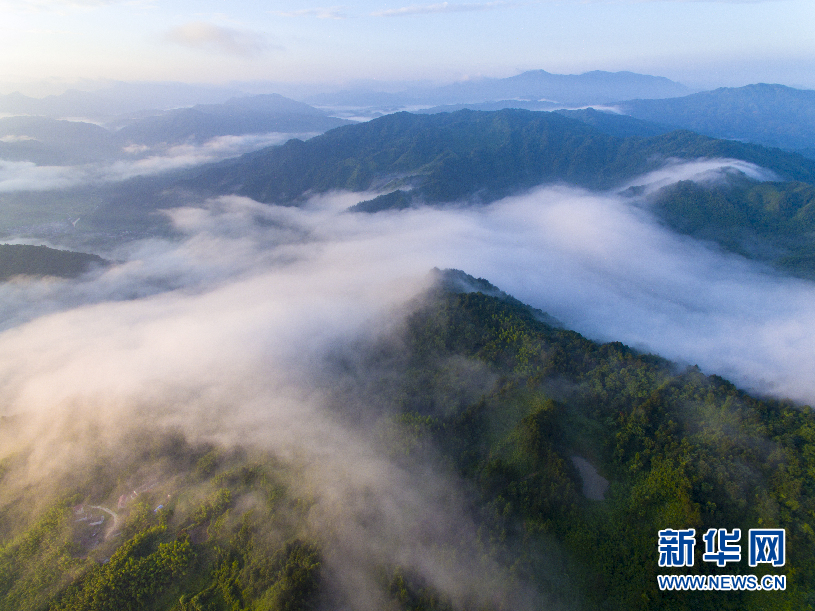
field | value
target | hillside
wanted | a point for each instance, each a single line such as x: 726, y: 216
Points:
x: 159, y: 521
x: 772, y: 222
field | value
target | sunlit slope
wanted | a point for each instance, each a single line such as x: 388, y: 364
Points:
x: 470, y: 155
x: 477, y: 389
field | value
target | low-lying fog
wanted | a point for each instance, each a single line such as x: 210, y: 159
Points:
x: 597, y: 262
x: 135, y: 160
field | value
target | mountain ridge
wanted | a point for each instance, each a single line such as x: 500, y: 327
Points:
x: 469, y: 154
x: 595, y: 87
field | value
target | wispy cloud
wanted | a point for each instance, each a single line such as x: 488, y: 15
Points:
x: 62, y: 5
x: 675, y: 1
x: 27, y: 176
x: 333, y: 12
x: 447, y: 7
x: 202, y: 35
x: 444, y: 7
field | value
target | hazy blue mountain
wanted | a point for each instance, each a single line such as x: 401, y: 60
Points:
x: 595, y: 87
x: 117, y: 99
x: 479, y: 156
x: 48, y: 141
x: 772, y: 115
x: 24, y: 259
x: 237, y: 116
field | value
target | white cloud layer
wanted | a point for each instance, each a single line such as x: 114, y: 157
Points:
x: 210, y: 37
x: 597, y: 262
x: 224, y: 335
x: 443, y: 7
x: 27, y: 176
x: 333, y: 12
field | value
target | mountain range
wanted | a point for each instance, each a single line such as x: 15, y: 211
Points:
x: 536, y: 86
x: 470, y: 155
x: 479, y: 157
x: 467, y: 156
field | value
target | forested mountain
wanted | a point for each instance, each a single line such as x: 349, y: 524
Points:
x: 159, y: 521
x: 622, y: 126
x: 478, y: 157
x: 470, y: 155
x: 462, y: 157
x: 772, y: 115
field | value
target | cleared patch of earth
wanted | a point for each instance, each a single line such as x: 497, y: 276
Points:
x: 594, y: 484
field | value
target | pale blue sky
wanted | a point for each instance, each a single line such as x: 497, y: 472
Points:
x: 700, y: 43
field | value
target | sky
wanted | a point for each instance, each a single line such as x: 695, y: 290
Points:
x: 702, y: 44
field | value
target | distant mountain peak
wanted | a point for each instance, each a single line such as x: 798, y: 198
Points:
x: 595, y: 87
x: 768, y: 114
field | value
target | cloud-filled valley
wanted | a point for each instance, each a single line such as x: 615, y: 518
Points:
x: 242, y: 271
x: 231, y: 333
